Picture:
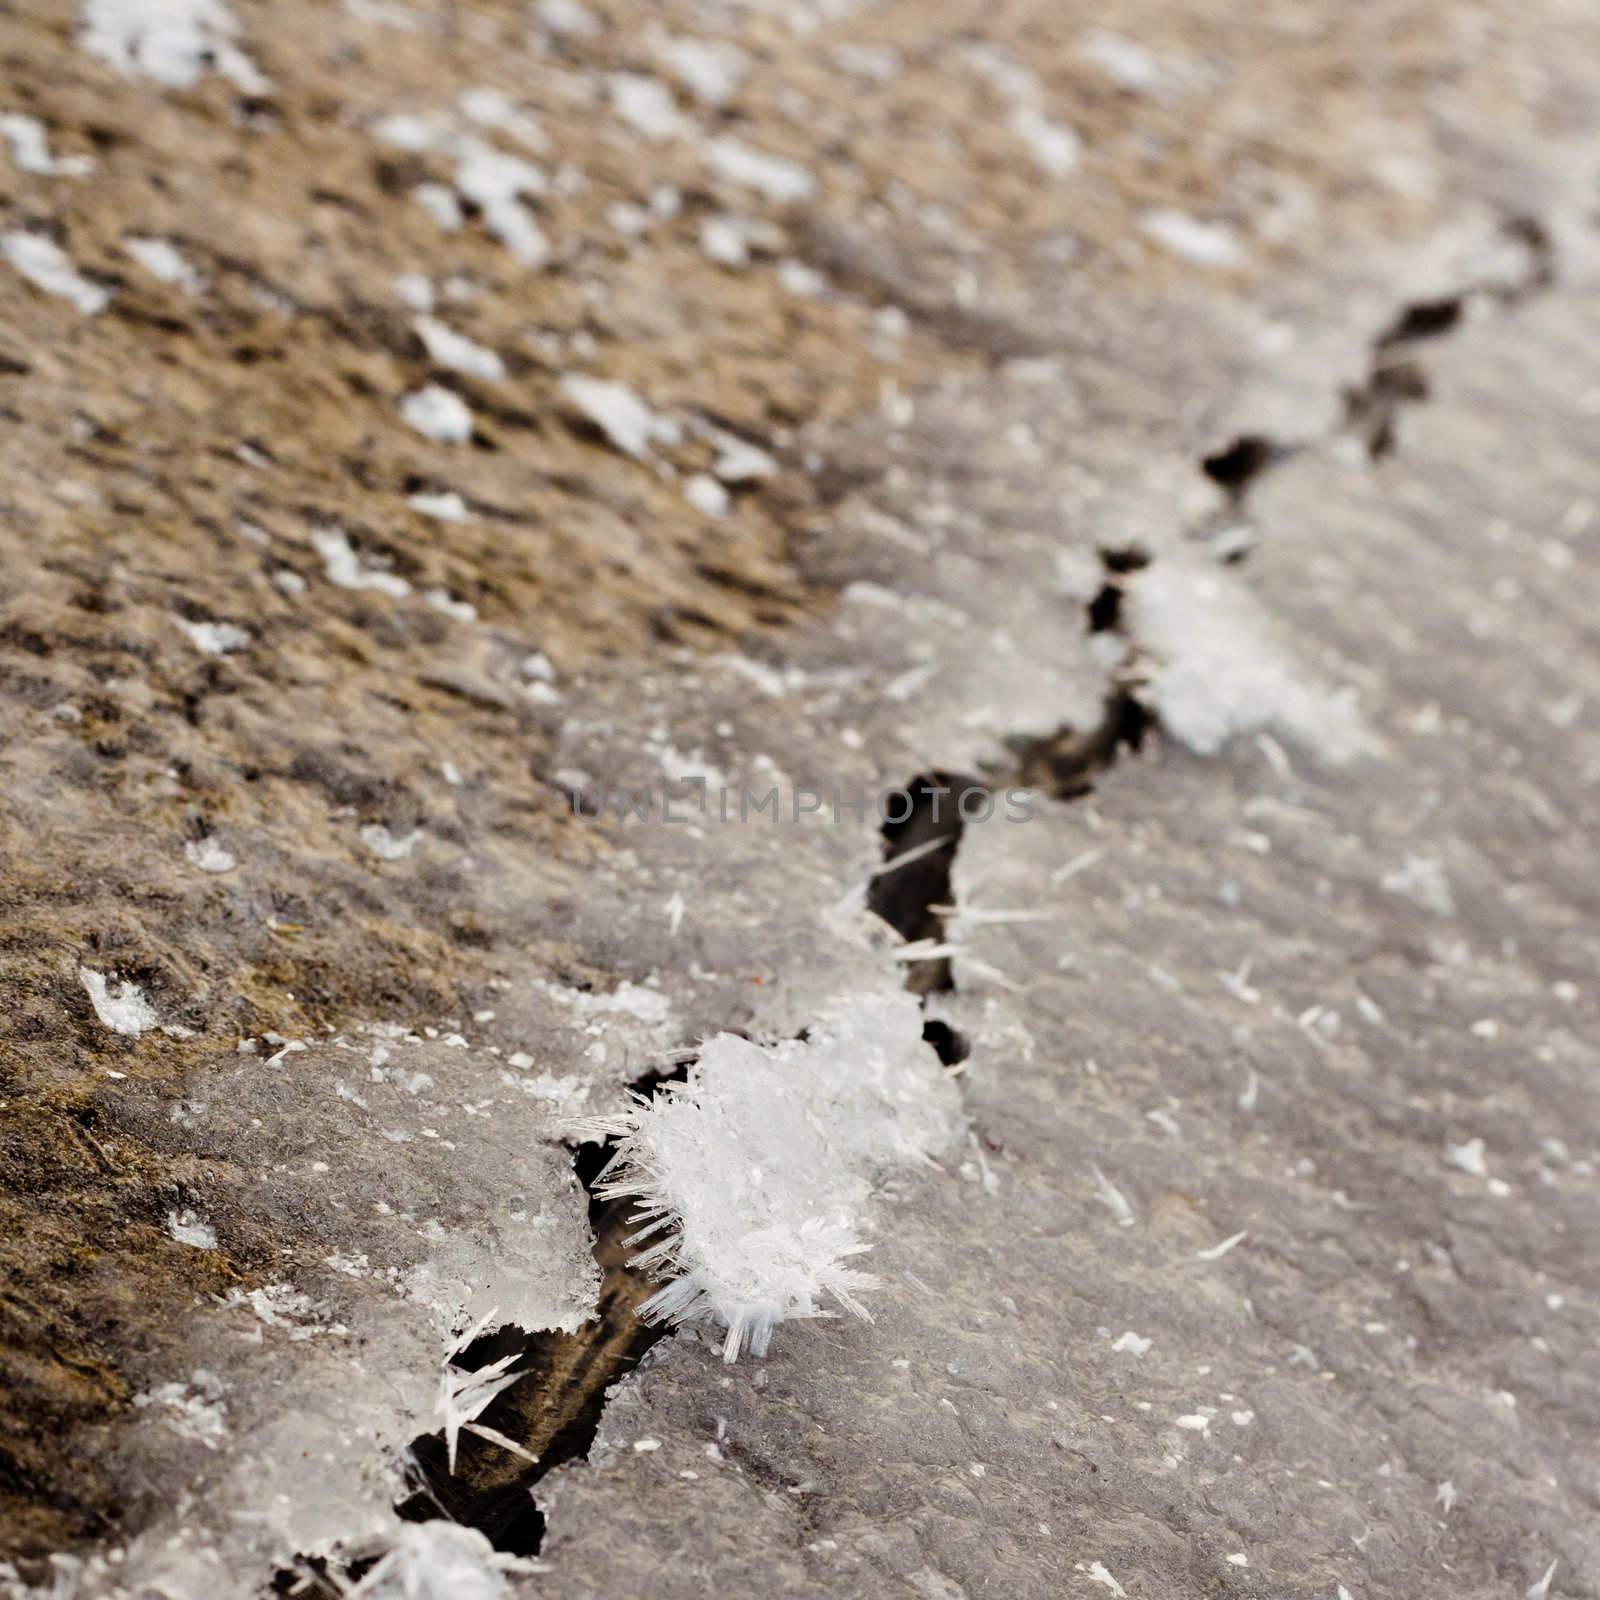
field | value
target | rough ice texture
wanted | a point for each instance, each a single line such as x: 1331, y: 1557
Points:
x: 425, y: 1190
x: 752, y: 1177
x: 1220, y: 669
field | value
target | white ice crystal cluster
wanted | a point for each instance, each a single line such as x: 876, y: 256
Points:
x: 752, y: 1177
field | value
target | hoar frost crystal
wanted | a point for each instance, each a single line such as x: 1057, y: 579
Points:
x: 753, y: 1176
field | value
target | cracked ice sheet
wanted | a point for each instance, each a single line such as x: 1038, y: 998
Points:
x: 423, y: 1185
x: 953, y: 1440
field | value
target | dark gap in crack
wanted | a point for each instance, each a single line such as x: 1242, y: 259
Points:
x: 1372, y: 411
x: 905, y: 895
x: 1236, y: 465
x: 1535, y: 238
x: 1066, y: 763
x: 1423, y: 319
x: 554, y: 1411
x: 1105, y: 607
x: 949, y: 1044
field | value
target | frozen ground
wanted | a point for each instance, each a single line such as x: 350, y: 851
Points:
x: 423, y: 425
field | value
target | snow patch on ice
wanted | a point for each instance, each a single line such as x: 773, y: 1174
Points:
x: 1220, y: 670
x: 389, y: 846
x: 208, y: 856
x: 190, y: 1228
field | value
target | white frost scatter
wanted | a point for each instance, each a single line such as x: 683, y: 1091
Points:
x: 723, y: 241
x: 440, y: 202
x: 1539, y: 1590
x: 438, y: 413
x: 1096, y: 1573
x: 444, y: 506
x: 1130, y: 66
x: 1207, y: 244
x: 1468, y: 1156
x: 1113, y: 1199
x: 738, y: 462
x: 753, y: 1175
x: 1422, y: 879
x: 127, y: 1011
x: 47, y: 266
x: 780, y: 180
x: 1218, y: 1251
x: 190, y: 1228
x: 30, y: 149
x: 569, y: 18
x: 710, y: 69
x: 457, y: 352
x: 620, y: 414
x: 627, y: 999
x: 1054, y: 146
x: 446, y: 603
x: 414, y: 289
x: 439, y: 1561
x: 706, y: 495
x: 214, y: 638
x: 160, y: 258
x: 206, y: 855
x: 343, y: 568
x: 1220, y: 670
x: 389, y: 846
x: 176, y: 42
x: 489, y: 108
x: 193, y: 1410
x: 385, y: 14
x: 646, y: 106
x: 493, y: 180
